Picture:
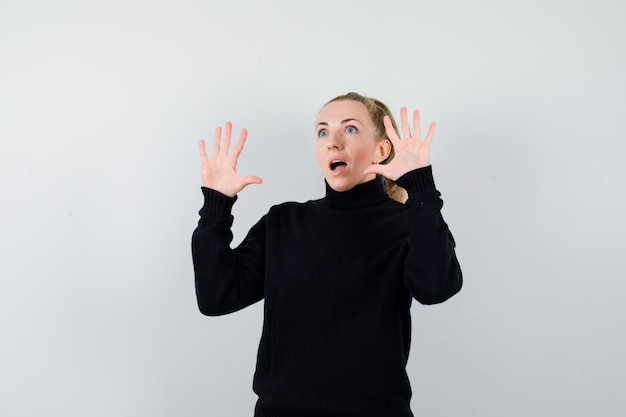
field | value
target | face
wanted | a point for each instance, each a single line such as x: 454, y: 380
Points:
x: 347, y: 143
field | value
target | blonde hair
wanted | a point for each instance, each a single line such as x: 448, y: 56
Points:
x: 377, y: 110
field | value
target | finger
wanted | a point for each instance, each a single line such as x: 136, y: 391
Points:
x: 225, y: 144
x: 216, y: 141
x: 240, y: 144
x: 417, y: 128
x: 251, y: 179
x: 375, y: 169
x: 242, y: 183
x: 391, y: 132
x: 202, y: 148
x: 404, y: 121
x: 431, y: 133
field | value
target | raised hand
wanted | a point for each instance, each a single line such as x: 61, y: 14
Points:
x: 411, y: 152
x: 220, y: 172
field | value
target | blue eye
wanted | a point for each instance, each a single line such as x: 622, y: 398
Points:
x: 322, y: 133
x: 351, y: 129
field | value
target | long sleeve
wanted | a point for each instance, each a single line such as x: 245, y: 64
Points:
x: 432, y: 271
x: 226, y: 279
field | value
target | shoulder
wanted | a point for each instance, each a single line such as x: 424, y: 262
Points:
x: 293, y: 217
x: 294, y: 208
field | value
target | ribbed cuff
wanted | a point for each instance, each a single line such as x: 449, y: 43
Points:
x: 216, y: 203
x: 417, y: 180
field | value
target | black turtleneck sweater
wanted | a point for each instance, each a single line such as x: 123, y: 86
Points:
x: 337, y: 275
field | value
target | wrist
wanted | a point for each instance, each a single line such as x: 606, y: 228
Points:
x: 418, y: 179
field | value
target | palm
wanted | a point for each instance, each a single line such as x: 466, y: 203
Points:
x: 220, y: 171
x: 410, y: 152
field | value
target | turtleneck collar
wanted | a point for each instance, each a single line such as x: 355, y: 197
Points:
x: 361, y: 195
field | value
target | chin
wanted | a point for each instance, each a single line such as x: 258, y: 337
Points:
x: 339, y: 184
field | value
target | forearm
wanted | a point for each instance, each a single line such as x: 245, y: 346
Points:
x: 226, y: 279
x: 432, y: 271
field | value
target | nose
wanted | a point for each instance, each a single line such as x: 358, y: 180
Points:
x: 335, y: 141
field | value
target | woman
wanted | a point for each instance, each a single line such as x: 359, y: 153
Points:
x: 337, y: 274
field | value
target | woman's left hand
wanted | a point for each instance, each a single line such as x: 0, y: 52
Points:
x: 411, y: 152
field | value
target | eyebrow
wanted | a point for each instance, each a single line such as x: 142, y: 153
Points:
x: 343, y: 121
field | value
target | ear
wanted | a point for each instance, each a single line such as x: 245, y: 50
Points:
x: 383, y: 150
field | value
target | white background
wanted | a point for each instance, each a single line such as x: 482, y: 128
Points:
x: 102, y: 105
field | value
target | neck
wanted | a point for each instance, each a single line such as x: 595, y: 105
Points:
x: 361, y: 195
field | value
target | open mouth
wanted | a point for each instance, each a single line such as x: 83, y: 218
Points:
x: 336, y: 163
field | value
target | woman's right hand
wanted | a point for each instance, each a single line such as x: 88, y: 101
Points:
x: 220, y: 172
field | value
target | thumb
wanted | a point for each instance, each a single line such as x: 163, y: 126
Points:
x: 375, y: 169
x: 252, y: 179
